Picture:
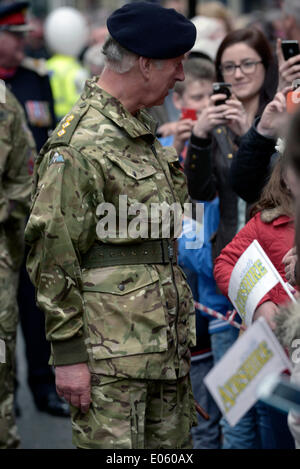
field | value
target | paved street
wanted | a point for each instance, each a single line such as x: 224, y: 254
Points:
x: 38, y: 430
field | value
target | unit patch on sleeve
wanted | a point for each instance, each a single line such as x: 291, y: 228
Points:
x: 57, y: 158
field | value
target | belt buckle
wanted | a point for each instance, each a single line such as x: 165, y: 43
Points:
x: 170, y: 251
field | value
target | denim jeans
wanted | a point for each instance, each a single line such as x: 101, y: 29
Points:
x: 253, y: 431
x: 207, y: 434
x: 262, y: 427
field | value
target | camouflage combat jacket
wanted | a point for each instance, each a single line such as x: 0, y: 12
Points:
x: 17, y: 149
x: 129, y: 320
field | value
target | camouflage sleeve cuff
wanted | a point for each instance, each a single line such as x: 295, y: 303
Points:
x: 69, y: 352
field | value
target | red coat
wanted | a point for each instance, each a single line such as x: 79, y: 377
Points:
x: 275, y: 237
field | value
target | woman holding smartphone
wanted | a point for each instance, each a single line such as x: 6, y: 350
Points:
x: 244, y: 60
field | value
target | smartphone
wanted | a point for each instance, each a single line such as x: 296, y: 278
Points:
x: 222, y: 88
x: 279, y: 392
x: 290, y: 49
x: 188, y: 114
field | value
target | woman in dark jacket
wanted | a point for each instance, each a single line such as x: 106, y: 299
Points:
x: 244, y: 60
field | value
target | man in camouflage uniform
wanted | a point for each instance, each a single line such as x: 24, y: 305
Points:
x: 16, y: 152
x: 119, y: 313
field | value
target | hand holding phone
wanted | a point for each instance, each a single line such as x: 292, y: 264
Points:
x: 290, y: 49
x: 293, y: 97
x: 187, y: 113
x: 288, y: 56
x: 222, y: 88
x: 184, y: 129
x: 232, y: 109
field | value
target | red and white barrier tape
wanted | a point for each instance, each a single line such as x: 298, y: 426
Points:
x: 229, y: 317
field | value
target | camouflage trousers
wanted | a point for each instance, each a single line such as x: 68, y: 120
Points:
x: 136, y: 414
x: 9, y: 437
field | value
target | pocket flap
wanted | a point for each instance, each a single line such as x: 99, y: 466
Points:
x: 135, y: 171
x: 170, y: 155
x: 118, y: 280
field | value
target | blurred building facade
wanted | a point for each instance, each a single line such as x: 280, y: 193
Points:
x: 42, y: 7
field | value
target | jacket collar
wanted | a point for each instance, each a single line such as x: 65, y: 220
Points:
x: 282, y: 220
x: 135, y: 126
x: 276, y: 216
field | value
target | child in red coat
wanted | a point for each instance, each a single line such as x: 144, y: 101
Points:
x: 272, y: 224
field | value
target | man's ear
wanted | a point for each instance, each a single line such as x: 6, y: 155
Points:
x: 145, y: 65
x: 177, y: 100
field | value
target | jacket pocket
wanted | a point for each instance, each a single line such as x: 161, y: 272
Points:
x: 139, y: 182
x: 124, y: 311
x: 136, y: 171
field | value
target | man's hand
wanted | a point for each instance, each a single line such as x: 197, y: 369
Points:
x: 274, y: 117
x: 289, y: 261
x: 267, y: 310
x: 73, y: 382
x: 289, y: 70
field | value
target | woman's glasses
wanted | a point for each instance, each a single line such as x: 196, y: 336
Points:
x: 246, y: 67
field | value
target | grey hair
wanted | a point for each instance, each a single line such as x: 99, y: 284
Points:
x: 292, y: 8
x: 93, y: 56
x: 159, y: 63
x: 121, y: 60
x: 117, y: 58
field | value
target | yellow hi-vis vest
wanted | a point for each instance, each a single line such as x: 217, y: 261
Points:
x: 67, y: 78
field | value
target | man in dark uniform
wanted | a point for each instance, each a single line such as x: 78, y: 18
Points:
x: 28, y: 80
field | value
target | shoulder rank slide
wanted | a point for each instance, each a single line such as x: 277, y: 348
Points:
x: 63, y: 133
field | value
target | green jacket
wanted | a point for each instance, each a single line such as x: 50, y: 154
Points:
x: 132, y: 320
x: 17, y: 149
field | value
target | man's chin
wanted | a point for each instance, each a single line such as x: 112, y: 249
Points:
x: 159, y: 102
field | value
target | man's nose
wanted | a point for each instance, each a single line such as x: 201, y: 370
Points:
x: 180, y: 74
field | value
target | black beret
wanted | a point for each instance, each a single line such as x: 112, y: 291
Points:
x: 149, y: 30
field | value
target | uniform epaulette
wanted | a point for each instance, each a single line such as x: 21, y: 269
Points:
x: 36, y: 65
x: 61, y: 136
x: 64, y: 131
